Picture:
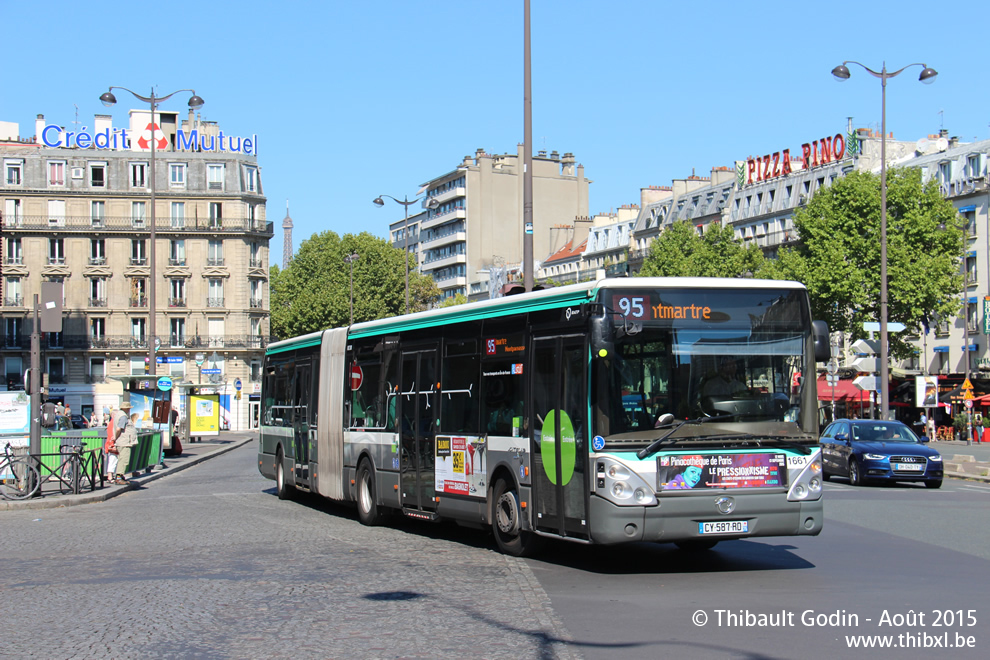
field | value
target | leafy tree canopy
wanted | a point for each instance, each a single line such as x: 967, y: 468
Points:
x: 679, y: 251
x: 313, y: 293
x: 838, y: 256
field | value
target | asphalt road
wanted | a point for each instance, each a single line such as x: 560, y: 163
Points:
x: 208, y: 563
x: 902, y: 550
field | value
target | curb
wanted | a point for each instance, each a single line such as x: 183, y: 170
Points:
x: 113, y: 491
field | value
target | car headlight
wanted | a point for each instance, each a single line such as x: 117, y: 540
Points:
x: 935, y: 459
x: 874, y: 457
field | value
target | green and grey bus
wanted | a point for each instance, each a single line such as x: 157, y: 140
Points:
x: 638, y: 409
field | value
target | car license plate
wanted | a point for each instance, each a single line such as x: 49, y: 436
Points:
x: 909, y: 467
x: 724, y: 527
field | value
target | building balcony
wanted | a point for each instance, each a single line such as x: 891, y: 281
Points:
x: 97, y: 261
x: 216, y: 262
x: 125, y: 224
x: 439, y: 219
x: 13, y: 301
x: 214, y: 302
x: 444, y: 239
x: 176, y: 302
x: 255, y: 303
x: 14, y: 261
x: 139, y: 301
x: 172, y: 261
x: 97, y: 302
x: 139, y: 261
x: 441, y: 262
x: 256, y: 262
x: 56, y: 261
x: 84, y: 342
x: 448, y: 195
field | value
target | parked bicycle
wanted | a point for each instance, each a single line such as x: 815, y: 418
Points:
x: 18, y: 478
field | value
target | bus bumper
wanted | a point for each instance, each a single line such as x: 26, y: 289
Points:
x: 679, y: 518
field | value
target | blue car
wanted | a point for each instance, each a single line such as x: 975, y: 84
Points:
x: 869, y: 450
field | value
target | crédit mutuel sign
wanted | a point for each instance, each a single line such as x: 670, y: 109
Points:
x: 119, y: 138
x: 778, y: 164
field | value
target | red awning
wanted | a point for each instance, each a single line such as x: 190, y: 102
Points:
x: 844, y: 391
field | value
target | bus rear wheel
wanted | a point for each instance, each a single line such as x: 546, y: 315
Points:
x: 368, y: 512
x: 507, y: 522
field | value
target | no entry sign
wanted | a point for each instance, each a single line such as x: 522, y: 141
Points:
x: 357, y: 377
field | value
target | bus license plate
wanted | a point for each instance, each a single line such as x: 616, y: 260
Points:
x: 724, y: 527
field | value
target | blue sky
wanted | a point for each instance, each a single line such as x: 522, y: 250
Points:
x: 351, y: 100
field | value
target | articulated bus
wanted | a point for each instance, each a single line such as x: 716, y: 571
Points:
x: 640, y: 409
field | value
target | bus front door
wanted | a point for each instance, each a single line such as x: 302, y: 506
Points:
x: 559, y: 446
x: 417, y: 410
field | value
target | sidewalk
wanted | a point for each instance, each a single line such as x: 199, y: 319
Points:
x: 962, y: 461
x: 192, y: 453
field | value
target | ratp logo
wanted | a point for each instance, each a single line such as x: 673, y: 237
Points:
x: 152, y: 132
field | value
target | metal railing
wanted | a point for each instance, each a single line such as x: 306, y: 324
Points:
x: 214, y: 302
x: 128, y: 342
x: 79, y: 223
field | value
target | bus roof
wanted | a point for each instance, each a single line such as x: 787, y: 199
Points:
x: 563, y: 296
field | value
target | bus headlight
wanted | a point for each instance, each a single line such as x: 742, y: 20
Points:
x: 620, y: 484
x: 807, y: 483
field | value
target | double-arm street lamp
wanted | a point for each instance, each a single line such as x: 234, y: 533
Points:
x: 195, y: 102
x: 406, y: 202
x: 841, y: 73
x: 349, y: 260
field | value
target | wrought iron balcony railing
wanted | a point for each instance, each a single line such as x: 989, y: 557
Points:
x: 77, y: 342
x: 124, y: 224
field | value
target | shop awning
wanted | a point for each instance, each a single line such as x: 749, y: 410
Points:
x: 844, y: 391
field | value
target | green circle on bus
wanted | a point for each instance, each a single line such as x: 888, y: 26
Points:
x: 548, y: 442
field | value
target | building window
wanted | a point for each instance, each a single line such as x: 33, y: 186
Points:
x: 971, y: 272
x: 255, y: 302
x: 216, y: 215
x: 139, y: 289
x: 98, y: 213
x: 178, y: 215
x: 97, y: 175
x: 139, y: 255
x: 138, y: 175
x: 255, y: 371
x: 214, y: 255
x: 15, y: 254
x: 177, y: 252
x: 56, y: 173
x: 12, y: 172
x: 56, y: 370
x: 56, y: 213
x: 13, y: 294
x: 177, y: 175
x: 251, y: 179
x: 13, y: 373
x: 139, y: 365
x: 12, y: 213
x: 973, y: 168
x: 215, y: 328
x: 98, y: 328
x: 214, y: 177
x: 98, y: 292
x: 255, y: 327
x: 255, y: 256
x: 56, y: 251
x: 12, y: 335
x: 178, y: 332
x: 138, y: 330
x: 945, y: 172
x: 97, y: 370
x: 215, y: 298
x: 177, y: 290
x: 137, y: 214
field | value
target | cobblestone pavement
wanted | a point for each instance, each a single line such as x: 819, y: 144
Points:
x: 208, y: 563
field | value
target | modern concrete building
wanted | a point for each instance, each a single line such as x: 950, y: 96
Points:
x: 478, y: 218
x: 76, y: 210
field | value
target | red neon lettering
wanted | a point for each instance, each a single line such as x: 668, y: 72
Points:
x: 776, y: 163
x: 806, y: 155
x: 766, y: 166
x: 826, y: 151
x: 750, y: 167
x: 787, y: 162
x: 840, y: 146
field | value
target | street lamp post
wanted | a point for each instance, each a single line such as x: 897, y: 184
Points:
x: 195, y: 102
x: 841, y: 73
x: 406, y: 202
x: 349, y: 260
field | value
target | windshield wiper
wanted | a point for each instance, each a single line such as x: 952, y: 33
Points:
x: 662, y: 440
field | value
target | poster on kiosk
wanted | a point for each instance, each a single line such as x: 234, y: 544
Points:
x: 204, y: 414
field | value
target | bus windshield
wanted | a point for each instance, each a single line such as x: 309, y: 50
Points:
x: 729, y: 355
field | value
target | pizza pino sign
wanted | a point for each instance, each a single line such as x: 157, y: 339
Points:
x: 122, y: 139
x: 813, y: 154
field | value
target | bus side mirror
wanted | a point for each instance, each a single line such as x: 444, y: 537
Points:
x: 823, y: 352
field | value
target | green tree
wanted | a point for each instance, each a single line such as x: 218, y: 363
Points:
x: 458, y: 299
x: 838, y: 255
x: 313, y: 293
x: 679, y: 251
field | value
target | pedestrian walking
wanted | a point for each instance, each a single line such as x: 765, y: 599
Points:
x: 125, y: 437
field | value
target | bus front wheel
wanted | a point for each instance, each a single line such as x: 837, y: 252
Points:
x: 507, y: 522
x: 368, y: 511
x: 283, y: 489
